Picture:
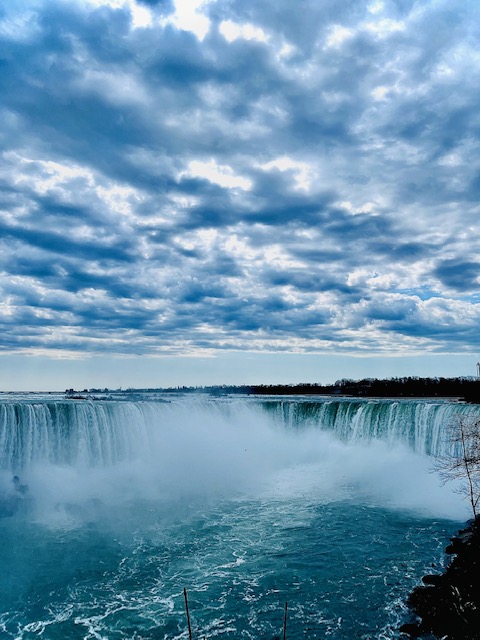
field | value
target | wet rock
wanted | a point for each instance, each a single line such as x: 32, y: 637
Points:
x: 432, y: 579
x: 448, y: 605
x: 410, y: 629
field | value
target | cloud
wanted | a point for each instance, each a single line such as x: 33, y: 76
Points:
x: 250, y: 176
x: 459, y: 274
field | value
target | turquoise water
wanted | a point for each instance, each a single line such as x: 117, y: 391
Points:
x: 231, y: 503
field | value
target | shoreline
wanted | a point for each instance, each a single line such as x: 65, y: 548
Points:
x: 447, y: 605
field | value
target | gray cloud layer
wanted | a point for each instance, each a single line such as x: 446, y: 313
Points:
x: 313, y: 187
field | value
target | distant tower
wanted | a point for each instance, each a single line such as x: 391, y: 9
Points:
x: 478, y: 369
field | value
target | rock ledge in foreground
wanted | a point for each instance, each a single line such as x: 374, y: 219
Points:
x: 448, y: 605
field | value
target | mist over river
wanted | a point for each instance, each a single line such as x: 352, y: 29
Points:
x: 248, y: 502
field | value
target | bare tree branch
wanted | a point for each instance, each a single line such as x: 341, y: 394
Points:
x: 463, y: 461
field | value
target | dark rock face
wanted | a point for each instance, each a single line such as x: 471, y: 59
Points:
x: 449, y: 604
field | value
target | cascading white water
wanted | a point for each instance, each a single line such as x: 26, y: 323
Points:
x: 97, y: 434
x: 419, y: 424
x: 89, y: 433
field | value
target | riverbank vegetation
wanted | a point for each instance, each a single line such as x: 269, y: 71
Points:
x: 467, y: 388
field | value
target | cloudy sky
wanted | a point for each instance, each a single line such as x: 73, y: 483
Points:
x: 238, y: 191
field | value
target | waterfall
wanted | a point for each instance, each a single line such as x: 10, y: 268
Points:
x: 102, y: 433
x: 70, y: 433
x: 422, y: 425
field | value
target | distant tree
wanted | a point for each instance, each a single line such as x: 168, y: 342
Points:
x: 463, y: 462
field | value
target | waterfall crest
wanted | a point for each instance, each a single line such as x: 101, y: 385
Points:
x: 102, y: 433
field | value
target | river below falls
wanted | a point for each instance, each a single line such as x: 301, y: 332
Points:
x: 93, y: 571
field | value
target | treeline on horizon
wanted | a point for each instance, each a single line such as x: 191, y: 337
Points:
x: 467, y: 388
x: 409, y: 387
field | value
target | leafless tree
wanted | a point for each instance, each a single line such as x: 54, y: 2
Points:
x: 463, y: 461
